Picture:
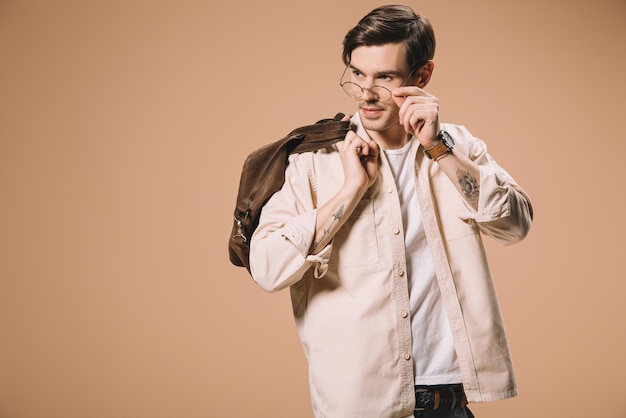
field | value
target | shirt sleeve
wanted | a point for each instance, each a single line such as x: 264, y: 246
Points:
x: 280, y: 245
x: 504, y: 209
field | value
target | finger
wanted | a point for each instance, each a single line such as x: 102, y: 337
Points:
x: 399, y: 100
x: 355, y: 143
x: 355, y: 140
x: 416, y: 123
x: 406, y: 114
x: 409, y: 95
x: 373, y: 149
x: 361, y: 148
x: 349, y: 137
x: 410, y: 91
x: 410, y: 115
x: 407, y: 107
x: 345, y: 144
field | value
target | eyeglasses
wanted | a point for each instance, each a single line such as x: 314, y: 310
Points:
x: 355, y: 91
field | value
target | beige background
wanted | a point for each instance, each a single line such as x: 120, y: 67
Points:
x: 123, y: 127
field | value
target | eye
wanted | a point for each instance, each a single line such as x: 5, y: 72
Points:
x: 357, y: 73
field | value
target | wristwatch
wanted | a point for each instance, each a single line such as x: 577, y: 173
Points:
x: 445, y: 145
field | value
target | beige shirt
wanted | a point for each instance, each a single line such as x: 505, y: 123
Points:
x: 351, y: 301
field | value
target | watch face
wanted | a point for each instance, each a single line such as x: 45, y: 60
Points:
x: 447, y: 139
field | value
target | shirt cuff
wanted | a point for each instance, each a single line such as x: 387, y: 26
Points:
x: 321, y: 260
x: 301, y: 232
x: 493, y: 197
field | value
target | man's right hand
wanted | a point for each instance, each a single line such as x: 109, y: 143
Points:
x: 360, y: 162
x: 360, y: 165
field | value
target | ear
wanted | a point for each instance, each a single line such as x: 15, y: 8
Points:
x: 424, y: 73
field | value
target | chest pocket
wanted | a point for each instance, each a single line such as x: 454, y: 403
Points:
x: 355, y: 245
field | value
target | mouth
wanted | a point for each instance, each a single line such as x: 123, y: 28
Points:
x: 371, y: 111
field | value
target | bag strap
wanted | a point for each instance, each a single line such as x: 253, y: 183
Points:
x: 314, y: 137
x: 263, y: 175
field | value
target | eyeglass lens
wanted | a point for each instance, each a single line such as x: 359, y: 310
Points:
x: 354, y: 90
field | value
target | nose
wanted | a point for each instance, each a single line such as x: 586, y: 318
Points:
x: 368, y: 94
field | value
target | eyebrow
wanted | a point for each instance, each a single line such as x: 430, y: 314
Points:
x: 379, y: 73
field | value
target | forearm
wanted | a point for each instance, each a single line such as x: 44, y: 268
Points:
x: 332, y: 215
x: 281, y: 252
x: 503, y: 210
x: 360, y: 163
x: 464, y: 174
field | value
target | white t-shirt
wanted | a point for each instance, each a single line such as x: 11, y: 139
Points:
x: 434, y: 357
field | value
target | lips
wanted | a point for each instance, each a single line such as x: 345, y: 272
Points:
x: 371, y: 112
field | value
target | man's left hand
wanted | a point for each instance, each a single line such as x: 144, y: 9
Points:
x: 419, y: 113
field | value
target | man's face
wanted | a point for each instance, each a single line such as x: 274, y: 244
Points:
x: 381, y: 65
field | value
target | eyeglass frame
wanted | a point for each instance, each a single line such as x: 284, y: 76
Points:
x: 363, y: 89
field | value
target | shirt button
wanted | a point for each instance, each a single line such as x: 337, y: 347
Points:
x: 395, y: 230
x: 407, y: 356
x: 404, y: 314
x: 400, y: 272
x: 389, y: 189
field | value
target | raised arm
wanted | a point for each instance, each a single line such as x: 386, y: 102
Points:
x: 500, y: 207
x: 294, y: 232
x: 360, y: 165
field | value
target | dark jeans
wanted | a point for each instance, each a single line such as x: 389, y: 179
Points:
x: 460, y: 412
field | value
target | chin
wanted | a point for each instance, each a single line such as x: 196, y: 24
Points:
x: 381, y: 122
x: 375, y: 125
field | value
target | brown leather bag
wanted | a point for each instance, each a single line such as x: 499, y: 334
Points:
x: 263, y: 174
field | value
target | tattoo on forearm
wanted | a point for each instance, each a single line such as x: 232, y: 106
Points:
x: 336, y: 217
x: 469, y: 185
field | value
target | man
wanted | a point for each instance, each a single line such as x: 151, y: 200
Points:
x: 379, y: 240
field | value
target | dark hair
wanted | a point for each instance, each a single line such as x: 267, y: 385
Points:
x: 392, y: 24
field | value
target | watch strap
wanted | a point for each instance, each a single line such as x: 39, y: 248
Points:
x: 437, y: 151
x: 442, y: 148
